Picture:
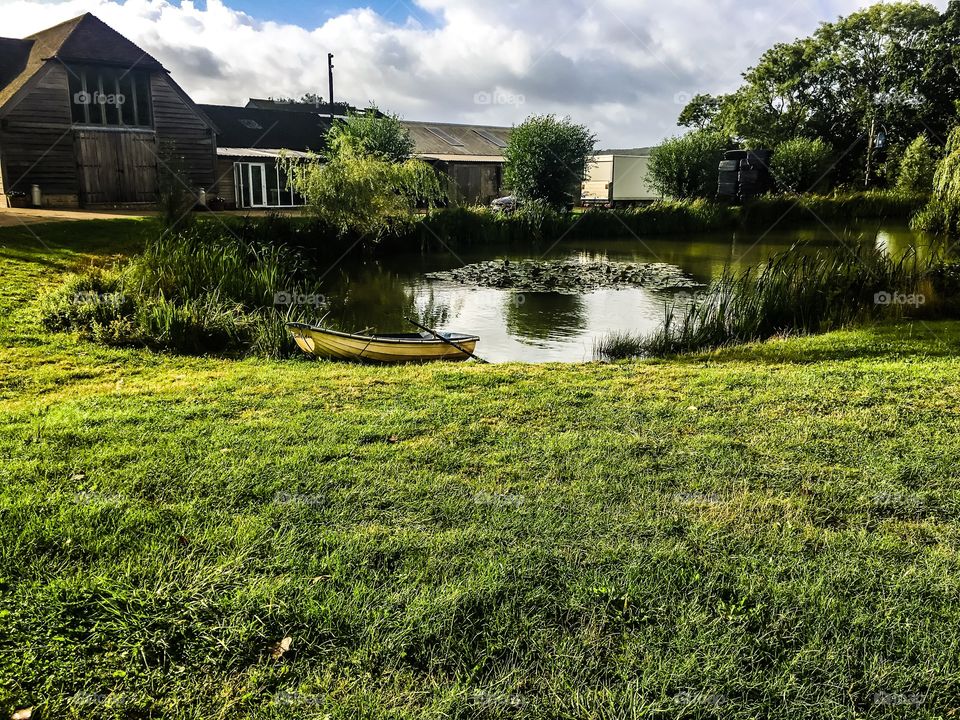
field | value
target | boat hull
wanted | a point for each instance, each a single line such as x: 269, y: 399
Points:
x: 331, y: 344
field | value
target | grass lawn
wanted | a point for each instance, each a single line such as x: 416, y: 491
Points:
x: 767, y: 531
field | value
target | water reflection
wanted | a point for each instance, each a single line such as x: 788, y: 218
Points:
x: 533, y: 317
x: 543, y: 326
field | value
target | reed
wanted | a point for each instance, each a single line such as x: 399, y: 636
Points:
x: 790, y: 293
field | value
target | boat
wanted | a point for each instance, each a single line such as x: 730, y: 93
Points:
x: 395, y: 348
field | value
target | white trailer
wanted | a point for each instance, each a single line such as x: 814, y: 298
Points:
x: 618, y: 180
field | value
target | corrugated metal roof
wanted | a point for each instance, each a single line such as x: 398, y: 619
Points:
x: 469, y: 143
x: 258, y: 152
x: 461, y: 158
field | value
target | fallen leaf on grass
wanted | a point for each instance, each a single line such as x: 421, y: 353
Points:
x: 278, y: 649
x: 79, y: 476
x: 22, y: 714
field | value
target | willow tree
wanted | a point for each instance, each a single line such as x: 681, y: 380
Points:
x: 362, y: 193
x: 942, y: 214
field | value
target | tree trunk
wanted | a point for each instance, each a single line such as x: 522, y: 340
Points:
x: 870, y: 141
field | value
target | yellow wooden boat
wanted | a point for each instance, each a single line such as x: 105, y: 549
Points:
x: 398, y: 348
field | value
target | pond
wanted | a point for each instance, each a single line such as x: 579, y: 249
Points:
x: 531, y: 323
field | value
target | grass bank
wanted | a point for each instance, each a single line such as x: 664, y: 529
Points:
x: 765, y: 531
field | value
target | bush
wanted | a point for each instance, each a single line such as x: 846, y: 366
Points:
x: 799, y: 165
x: 546, y: 159
x: 917, y: 166
x: 685, y: 167
x: 93, y: 302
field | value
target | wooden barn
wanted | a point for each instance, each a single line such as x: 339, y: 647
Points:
x: 88, y: 117
x: 471, y: 157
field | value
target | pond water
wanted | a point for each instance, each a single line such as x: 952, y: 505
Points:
x: 545, y: 326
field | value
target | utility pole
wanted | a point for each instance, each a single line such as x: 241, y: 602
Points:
x: 330, y: 73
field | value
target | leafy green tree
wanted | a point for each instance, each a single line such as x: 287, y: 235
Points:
x: 942, y: 214
x: 375, y: 134
x: 918, y: 165
x: 700, y: 112
x: 686, y: 166
x: 890, y: 69
x: 799, y: 165
x: 546, y: 159
x: 358, y: 192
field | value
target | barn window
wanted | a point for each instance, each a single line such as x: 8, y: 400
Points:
x: 109, y: 96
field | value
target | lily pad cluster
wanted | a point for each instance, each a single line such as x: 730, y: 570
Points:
x: 567, y: 276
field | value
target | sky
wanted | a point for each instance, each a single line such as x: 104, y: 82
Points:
x: 624, y: 68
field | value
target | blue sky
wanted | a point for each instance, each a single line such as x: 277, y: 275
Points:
x: 307, y: 13
x: 625, y: 68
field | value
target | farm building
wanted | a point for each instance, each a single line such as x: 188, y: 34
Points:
x: 90, y: 119
x: 85, y: 115
x: 250, y: 141
x: 471, y: 156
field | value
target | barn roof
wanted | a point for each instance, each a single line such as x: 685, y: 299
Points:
x: 246, y: 127
x: 82, y: 39
x: 431, y: 139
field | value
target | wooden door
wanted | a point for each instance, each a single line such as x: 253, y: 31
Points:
x: 116, y: 167
x: 137, y: 163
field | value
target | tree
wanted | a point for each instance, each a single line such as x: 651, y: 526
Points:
x: 546, y: 159
x: 359, y: 192
x: 885, y: 69
x: 686, y: 166
x: 942, y: 214
x: 799, y: 165
x: 700, y: 112
x: 917, y: 167
x: 374, y: 133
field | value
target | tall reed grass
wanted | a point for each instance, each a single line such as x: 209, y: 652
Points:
x: 789, y: 293
x: 197, y: 291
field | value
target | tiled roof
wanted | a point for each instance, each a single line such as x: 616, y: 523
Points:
x: 83, y: 39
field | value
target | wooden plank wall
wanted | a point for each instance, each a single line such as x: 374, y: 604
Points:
x: 476, y: 183
x: 177, y: 121
x: 38, y: 141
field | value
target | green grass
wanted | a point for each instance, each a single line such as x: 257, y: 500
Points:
x: 765, y: 531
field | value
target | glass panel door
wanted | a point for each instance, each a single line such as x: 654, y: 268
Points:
x: 258, y: 185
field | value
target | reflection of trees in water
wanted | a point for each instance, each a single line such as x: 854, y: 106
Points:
x: 540, y: 316
x: 371, y: 297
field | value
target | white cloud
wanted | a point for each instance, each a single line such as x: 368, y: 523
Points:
x: 622, y: 67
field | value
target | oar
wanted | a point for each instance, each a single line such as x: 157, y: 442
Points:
x: 448, y: 341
